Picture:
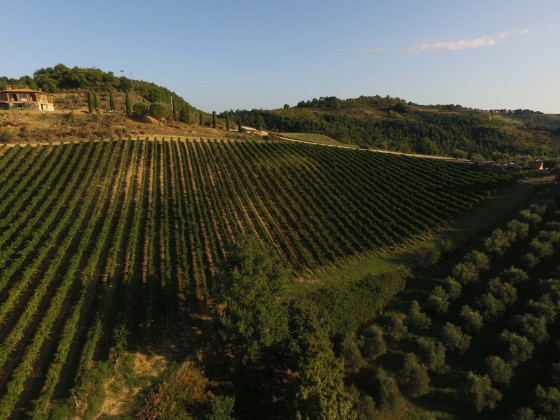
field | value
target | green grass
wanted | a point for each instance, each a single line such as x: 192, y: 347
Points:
x: 460, y: 232
x: 314, y: 138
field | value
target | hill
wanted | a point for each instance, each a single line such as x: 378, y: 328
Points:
x: 393, y: 124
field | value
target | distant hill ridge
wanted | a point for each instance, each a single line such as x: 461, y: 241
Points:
x: 394, y: 124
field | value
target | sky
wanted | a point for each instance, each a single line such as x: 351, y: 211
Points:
x: 244, y: 54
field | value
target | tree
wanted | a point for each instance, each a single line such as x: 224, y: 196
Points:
x: 213, y: 119
x: 200, y: 118
x: 491, y: 307
x: 140, y: 109
x: 432, y: 354
x: 517, y: 349
x: 96, y: 102
x: 472, y: 320
x: 112, y: 100
x: 395, y: 326
x: 499, y: 370
x: 158, y: 110
x: 227, y: 121
x: 184, y: 115
x: 90, y: 102
x: 531, y: 326
x: 514, y: 275
x: 245, y: 291
x: 479, y: 393
x: 239, y: 127
x: 453, y: 288
x: 418, y: 320
x: 454, y: 339
x: 414, y: 377
x: 350, y: 354
x: 504, y: 292
x: 373, y: 343
x: 128, y: 104
x: 386, y: 390
x: 478, y: 259
x: 548, y: 401
x: 438, y: 301
x: 465, y: 273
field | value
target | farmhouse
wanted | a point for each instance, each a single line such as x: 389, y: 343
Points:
x: 536, y: 165
x: 26, y: 99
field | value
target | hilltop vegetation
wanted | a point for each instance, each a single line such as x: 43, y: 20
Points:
x: 392, y: 123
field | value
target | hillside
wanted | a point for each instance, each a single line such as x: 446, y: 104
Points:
x: 108, y: 244
x: 393, y: 124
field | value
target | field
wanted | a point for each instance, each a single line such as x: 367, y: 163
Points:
x: 100, y: 241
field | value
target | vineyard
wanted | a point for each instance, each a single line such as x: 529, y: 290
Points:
x: 103, y: 239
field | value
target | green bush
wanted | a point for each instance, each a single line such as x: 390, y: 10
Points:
x: 158, y: 110
x: 349, y: 306
x: 6, y: 135
x: 140, y: 109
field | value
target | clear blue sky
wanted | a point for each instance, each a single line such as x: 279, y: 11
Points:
x: 225, y: 54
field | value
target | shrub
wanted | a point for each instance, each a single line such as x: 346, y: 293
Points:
x: 432, y: 354
x: 7, y: 135
x: 373, y: 343
x: 541, y: 249
x: 479, y: 393
x: 472, y: 320
x: 418, y: 320
x: 517, y: 349
x: 140, y: 109
x: 530, y: 218
x: 414, y: 377
x: 395, y: 326
x: 499, y: 370
x: 524, y: 413
x: 438, y: 301
x: 454, y: 339
x: 158, y: 110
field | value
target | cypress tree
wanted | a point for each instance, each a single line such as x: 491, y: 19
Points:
x: 239, y: 128
x: 199, y: 117
x: 213, y: 119
x: 96, y: 102
x: 184, y: 115
x: 111, y: 100
x: 128, y: 104
x: 227, y: 121
x: 90, y: 102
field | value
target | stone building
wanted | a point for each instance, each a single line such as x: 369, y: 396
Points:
x: 26, y: 99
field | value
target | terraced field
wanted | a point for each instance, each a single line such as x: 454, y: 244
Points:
x: 99, y: 238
